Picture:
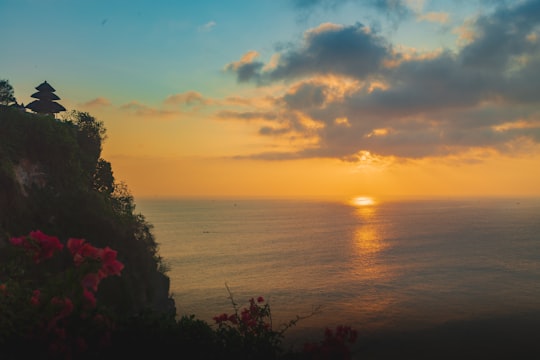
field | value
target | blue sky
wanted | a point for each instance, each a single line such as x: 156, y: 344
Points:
x: 384, y: 94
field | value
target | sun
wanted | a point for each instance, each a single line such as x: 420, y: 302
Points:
x: 363, y: 201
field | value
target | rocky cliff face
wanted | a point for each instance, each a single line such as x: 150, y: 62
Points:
x: 53, y: 179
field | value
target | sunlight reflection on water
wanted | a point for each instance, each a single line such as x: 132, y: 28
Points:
x: 370, y: 265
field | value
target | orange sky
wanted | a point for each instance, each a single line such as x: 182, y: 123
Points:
x: 406, y: 98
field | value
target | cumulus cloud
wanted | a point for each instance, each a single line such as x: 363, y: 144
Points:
x: 403, y: 106
x: 328, y: 49
x: 247, y: 68
x: 189, y: 98
x: 97, y: 103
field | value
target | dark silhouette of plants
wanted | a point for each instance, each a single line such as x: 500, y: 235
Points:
x: 7, y: 95
x: 64, y: 187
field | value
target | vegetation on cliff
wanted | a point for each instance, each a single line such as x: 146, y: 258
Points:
x: 53, y: 178
x: 82, y: 227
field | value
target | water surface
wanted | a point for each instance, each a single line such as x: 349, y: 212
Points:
x: 388, y: 265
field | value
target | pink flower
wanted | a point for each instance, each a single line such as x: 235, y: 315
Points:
x: 17, y: 241
x: 66, y: 305
x: 80, y: 250
x: 91, y: 281
x: 260, y: 299
x: 233, y: 319
x: 89, y: 298
x: 89, y: 251
x: 47, y: 245
x: 39, y: 245
x: 74, y: 245
x: 220, y: 318
x: 110, y: 266
x: 34, y: 300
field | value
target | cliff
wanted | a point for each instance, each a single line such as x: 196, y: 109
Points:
x: 52, y: 178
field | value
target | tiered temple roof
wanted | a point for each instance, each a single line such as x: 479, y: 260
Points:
x: 45, y: 103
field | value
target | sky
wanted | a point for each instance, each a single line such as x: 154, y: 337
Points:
x: 294, y: 98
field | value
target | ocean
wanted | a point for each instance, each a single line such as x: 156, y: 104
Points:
x: 408, y: 264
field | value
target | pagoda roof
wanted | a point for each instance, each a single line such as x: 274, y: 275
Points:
x: 45, y: 107
x: 45, y: 86
x: 45, y: 96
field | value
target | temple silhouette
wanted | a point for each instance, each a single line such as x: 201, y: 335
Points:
x: 45, y: 103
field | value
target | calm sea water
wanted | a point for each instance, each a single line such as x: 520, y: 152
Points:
x: 392, y: 264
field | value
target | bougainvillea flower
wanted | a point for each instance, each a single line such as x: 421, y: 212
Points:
x: 17, y: 241
x: 47, y: 244
x: 89, y: 299
x: 74, y: 245
x: 110, y: 266
x: 35, y: 299
x: 64, y: 304
x: 91, y: 281
x: 220, y: 318
x: 40, y: 245
x: 81, y: 250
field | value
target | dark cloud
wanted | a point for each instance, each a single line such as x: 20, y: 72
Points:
x: 247, y: 115
x: 502, y: 36
x: 484, y: 95
x: 394, y: 10
x: 351, y: 50
x: 329, y: 49
x: 306, y: 96
x: 248, y: 71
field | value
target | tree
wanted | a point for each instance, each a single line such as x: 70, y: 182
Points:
x: 103, y: 179
x: 6, y: 93
x: 90, y: 135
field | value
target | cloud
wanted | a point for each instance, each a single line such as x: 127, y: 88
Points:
x: 209, y: 26
x: 246, y: 68
x: 385, y: 6
x: 328, y: 49
x: 96, y: 103
x: 140, y: 109
x: 189, y: 98
x: 400, y: 103
x: 437, y: 17
x: 394, y: 10
x: 246, y: 115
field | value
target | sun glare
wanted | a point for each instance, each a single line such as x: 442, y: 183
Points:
x: 363, y: 201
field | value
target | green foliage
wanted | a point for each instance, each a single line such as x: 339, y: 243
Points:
x: 162, y: 335
x: 90, y: 134
x: 6, y: 93
x: 244, y: 334
x: 52, y: 178
x: 103, y: 179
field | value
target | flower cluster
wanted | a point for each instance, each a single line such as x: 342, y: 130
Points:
x: 84, y: 253
x: 255, y: 319
x: 38, y: 245
x: 248, y: 332
x: 335, y: 345
x: 53, y: 304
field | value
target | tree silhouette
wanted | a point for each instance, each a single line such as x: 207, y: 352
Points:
x: 6, y: 93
